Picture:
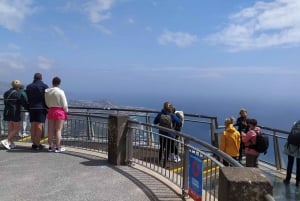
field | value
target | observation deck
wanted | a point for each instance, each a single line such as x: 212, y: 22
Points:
x: 76, y: 175
x: 84, y: 171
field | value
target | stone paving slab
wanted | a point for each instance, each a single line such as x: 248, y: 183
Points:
x: 27, y: 175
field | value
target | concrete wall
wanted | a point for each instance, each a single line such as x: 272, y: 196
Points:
x: 242, y: 183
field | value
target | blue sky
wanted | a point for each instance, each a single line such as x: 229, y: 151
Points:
x: 202, y: 48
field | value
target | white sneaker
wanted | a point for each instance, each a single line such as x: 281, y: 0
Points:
x: 61, y: 149
x: 177, y: 159
x: 6, y: 144
x: 12, y: 145
x: 171, y: 157
x: 20, y: 135
x: 25, y: 135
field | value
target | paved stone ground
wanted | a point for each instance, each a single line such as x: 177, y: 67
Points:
x: 27, y: 175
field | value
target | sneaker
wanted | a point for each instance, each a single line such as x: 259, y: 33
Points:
x: 12, y: 145
x: 25, y: 135
x: 171, y: 157
x: 37, y: 147
x: 6, y: 144
x: 20, y: 135
x: 286, y: 182
x: 40, y: 147
x: 51, y: 149
x: 177, y: 159
x: 34, y: 146
x: 58, y: 150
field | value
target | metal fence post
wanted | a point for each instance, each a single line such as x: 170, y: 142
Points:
x: 186, y: 168
x: 213, y: 135
x: 89, y: 128
x: 129, y: 145
x: 1, y: 125
x: 277, y: 151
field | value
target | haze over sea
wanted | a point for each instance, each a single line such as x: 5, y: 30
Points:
x: 277, y: 113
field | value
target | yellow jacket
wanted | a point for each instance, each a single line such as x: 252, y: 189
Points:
x: 230, y: 141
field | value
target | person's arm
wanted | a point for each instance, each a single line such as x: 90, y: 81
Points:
x: 156, y: 120
x: 246, y: 138
x: 176, y: 119
x: 238, y: 140
x: 222, y: 143
x: 64, y: 102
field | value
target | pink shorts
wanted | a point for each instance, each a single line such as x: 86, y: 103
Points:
x: 57, y: 113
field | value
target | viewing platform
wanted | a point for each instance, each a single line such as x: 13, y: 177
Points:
x: 112, y: 154
x: 76, y: 175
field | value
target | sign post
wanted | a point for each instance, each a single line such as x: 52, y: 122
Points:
x: 195, y: 176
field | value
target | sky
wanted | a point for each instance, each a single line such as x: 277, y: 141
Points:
x: 199, y: 49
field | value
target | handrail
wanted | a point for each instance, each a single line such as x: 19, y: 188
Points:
x: 214, y: 149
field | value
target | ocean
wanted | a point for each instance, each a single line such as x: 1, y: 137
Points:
x: 278, y: 113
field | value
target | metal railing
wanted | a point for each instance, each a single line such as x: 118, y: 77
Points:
x: 147, y: 155
x: 87, y: 128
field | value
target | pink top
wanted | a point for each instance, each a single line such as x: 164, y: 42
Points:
x: 249, y: 139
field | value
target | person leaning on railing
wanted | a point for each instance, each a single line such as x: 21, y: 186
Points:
x: 241, y: 123
x: 165, y: 119
x: 249, y: 138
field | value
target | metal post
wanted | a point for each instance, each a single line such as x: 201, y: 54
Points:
x: 129, y: 145
x: 88, y: 126
x: 277, y: 151
x: 214, y: 141
x: 1, y: 125
x: 150, y: 137
x: 186, y: 168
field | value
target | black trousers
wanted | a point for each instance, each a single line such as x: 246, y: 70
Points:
x: 289, y: 169
x: 166, y: 147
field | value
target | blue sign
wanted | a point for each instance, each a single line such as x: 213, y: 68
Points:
x: 195, y: 176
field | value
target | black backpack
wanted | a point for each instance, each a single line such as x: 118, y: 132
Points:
x: 294, y: 136
x: 165, y: 121
x: 262, y: 143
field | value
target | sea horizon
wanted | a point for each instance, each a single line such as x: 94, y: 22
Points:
x: 275, y: 113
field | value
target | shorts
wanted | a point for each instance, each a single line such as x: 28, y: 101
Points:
x: 57, y: 113
x: 38, y: 115
x: 10, y: 114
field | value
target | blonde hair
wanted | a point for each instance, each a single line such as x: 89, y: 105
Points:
x: 16, y: 84
x: 229, y: 120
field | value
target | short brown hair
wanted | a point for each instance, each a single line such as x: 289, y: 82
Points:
x: 252, y: 122
x: 56, y: 81
x: 37, y: 76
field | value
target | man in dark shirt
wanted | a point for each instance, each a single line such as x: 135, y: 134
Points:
x: 37, y: 109
x: 241, y: 123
